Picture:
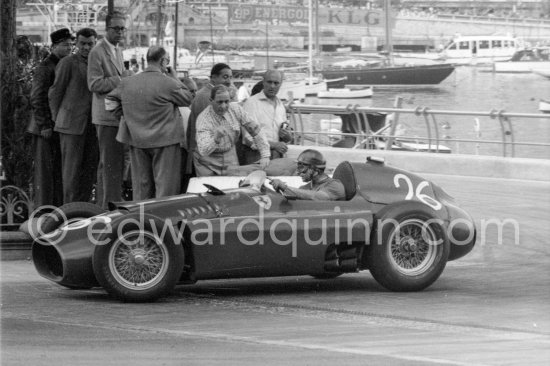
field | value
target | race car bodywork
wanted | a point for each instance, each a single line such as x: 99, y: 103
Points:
x: 399, y: 226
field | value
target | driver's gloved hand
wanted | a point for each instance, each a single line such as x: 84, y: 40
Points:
x: 278, y: 185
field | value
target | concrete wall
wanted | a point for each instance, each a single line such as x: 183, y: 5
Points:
x: 448, y: 164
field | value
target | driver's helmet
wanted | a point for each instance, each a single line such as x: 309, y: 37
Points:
x: 312, y: 158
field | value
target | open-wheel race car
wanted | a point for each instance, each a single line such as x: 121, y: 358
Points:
x: 400, y: 227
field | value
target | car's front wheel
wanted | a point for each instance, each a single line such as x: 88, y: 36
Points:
x: 138, y: 265
x: 409, y: 249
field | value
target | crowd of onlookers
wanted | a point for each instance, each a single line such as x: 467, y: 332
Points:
x: 99, y: 123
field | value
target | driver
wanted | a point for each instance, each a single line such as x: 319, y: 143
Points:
x: 320, y: 187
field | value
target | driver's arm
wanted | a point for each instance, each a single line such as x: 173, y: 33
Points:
x: 306, y: 194
x: 299, y: 193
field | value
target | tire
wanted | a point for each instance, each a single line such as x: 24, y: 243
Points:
x: 137, y: 265
x: 410, y: 254
x: 68, y: 213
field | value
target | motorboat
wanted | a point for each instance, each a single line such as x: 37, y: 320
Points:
x: 471, y: 50
x: 373, y: 133
x: 544, y: 105
x: 290, y: 90
x: 346, y: 93
x: 524, y: 61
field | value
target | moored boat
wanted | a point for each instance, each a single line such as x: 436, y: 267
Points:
x: 389, y: 75
x: 467, y: 50
x: 346, y: 93
x: 524, y: 61
x: 544, y: 105
x: 296, y: 88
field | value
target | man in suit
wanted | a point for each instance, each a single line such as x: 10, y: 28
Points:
x: 47, y: 184
x: 153, y: 126
x: 71, y: 107
x: 105, y: 71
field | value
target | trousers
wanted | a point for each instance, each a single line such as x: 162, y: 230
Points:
x: 111, y: 166
x: 156, y: 172
x: 47, y: 182
x: 80, y: 157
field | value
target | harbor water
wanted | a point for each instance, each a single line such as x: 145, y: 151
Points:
x: 474, y: 89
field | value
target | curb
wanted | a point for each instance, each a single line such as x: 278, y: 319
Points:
x: 15, y: 245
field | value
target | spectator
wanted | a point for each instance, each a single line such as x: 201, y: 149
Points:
x: 105, y: 72
x: 152, y: 125
x: 220, y: 74
x: 134, y: 66
x: 218, y: 129
x: 268, y: 110
x: 47, y: 183
x: 71, y: 107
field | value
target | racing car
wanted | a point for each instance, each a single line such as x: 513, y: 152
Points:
x: 399, y: 226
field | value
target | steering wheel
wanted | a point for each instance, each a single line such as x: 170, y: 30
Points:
x: 213, y: 190
x: 283, y: 193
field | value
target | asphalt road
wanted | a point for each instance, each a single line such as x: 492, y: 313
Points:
x: 490, y: 308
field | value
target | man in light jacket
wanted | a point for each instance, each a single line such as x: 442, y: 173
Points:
x: 105, y: 72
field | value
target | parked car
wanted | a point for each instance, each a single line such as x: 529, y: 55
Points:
x: 399, y: 226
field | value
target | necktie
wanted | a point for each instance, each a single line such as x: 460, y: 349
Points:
x: 118, y: 58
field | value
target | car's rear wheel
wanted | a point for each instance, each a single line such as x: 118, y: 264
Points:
x: 138, y: 265
x: 409, y: 249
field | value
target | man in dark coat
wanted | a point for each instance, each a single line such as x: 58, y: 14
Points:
x: 152, y: 125
x: 48, y: 188
x: 71, y: 107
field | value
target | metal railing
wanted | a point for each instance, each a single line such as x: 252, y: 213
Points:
x: 429, y: 118
x: 539, y: 22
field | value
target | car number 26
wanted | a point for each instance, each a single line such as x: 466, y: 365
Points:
x: 424, y: 198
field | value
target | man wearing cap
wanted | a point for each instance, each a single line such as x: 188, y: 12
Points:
x: 105, y: 71
x: 319, y: 187
x: 71, y: 107
x: 47, y: 183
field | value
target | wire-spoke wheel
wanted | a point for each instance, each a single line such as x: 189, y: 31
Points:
x: 138, y: 265
x: 138, y: 260
x: 412, y: 247
x: 409, y: 247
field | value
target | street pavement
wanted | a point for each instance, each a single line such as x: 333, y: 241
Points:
x: 491, y: 307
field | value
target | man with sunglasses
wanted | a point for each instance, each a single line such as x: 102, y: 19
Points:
x: 47, y: 182
x: 320, y: 187
x: 105, y: 72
